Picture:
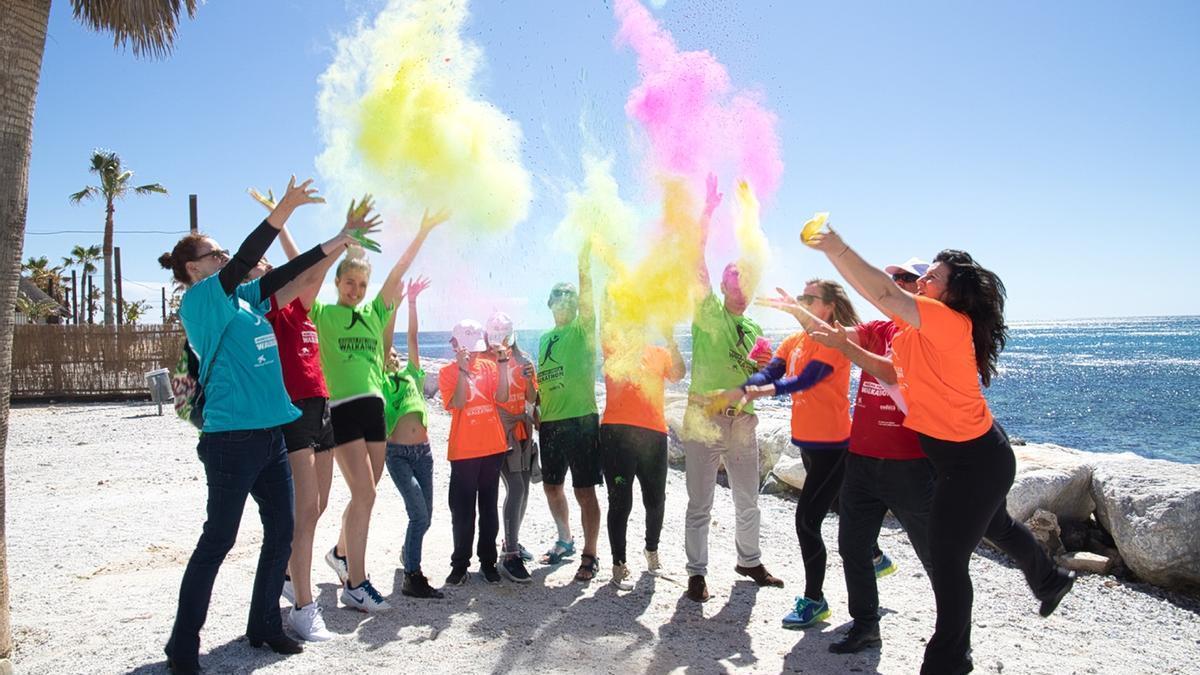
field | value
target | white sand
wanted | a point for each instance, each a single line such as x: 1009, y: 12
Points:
x: 106, y: 502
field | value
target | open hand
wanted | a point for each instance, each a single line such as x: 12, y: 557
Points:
x: 712, y: 198
x: 428, y: 222
x: 298, y: 195
x: 361, y: 221
x: 835, y: 336
x: 415, y: 288
x: 268, y: 201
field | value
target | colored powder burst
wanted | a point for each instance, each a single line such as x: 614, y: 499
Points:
x: 400, y: 118
x: 596, y: 214
x: 752, y: 241
x: 695, y: 121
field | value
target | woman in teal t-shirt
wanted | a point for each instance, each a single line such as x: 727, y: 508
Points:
x: 352, y: 353
x: 242, y: 444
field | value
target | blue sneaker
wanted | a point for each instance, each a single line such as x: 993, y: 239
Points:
x: 884, y: 566
x: 807, y: 613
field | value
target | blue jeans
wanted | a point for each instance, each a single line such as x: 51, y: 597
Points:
x: 237, y: 464
x: 411, y: 469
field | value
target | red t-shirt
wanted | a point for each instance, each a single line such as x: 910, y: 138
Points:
x: 299, y: 353
x: 878, y: 429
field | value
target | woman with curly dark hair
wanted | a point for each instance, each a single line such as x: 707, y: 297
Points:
x: 951, y: 333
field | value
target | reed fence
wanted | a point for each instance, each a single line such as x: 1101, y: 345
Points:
x: 89, y: 362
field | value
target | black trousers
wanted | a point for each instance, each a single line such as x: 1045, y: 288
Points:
x: 822, y: 483
x: 475, y: 482
x: 969, y: 503
x: 630, y: 452
x: 870, y: 488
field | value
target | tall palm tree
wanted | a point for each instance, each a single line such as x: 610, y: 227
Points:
x: 148, y: 28
x: 114, y: 184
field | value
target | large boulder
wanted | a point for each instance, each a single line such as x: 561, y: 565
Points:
x: 774, y: 439
x: 790, y: 470
x: 1152, y: 510
x: 1052, y: 478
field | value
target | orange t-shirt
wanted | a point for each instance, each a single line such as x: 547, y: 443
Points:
x: 821, y: 413
x: 640, y: 403
x: 475, y: 429
x: 517, y: 386
x: 936, y: 369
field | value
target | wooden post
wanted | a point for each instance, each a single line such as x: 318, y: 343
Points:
x: 87, y: 301
x: 164, y: 303
x: 120, y: 296
x: 192, y: 213
x: 74, y: 298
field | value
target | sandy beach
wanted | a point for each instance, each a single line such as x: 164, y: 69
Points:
x: 106, y: 502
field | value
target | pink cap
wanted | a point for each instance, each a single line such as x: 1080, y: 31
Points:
x: 500, y: 330
x: 469, y: 335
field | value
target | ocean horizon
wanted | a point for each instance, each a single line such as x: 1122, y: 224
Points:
x: 1108, y: 385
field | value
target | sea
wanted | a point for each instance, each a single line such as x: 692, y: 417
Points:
x: 1101, y: 385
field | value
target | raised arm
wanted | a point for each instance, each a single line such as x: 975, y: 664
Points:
x: 871, y: 282
x: 415, y: 288
x: 786, y: 302
x: 712, y: 199
x: 846, y: 342
x: 392, y: 287
x: 587, y: 300
x: 678, y: 367
x: 256, y: 245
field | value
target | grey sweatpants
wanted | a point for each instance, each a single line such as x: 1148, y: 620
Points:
x: 737, y: 447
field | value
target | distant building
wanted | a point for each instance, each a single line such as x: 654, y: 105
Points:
x: 48, y: 309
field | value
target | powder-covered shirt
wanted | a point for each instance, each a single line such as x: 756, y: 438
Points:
x: 352, y: 348
x: 721, y: 345
x: 239, y: 357
x: 639, y: 402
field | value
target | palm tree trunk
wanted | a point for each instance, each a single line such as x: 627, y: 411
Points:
x: 108, y: 264
x: 22, y: 41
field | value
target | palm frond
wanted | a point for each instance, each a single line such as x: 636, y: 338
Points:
x: 148, y: 27
x: 86, y: 193
x: 147, y: 189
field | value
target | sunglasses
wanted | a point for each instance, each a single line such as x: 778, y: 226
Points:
x: 906, y: 277
x: 807, y: 299
x: 219, y: 253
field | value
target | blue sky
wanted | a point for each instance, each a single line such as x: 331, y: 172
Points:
x: 1058, y: 142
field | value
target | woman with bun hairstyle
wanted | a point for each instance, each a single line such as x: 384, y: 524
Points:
x: 352, y: 358
x: 242, y: 446
x: 951, y: 333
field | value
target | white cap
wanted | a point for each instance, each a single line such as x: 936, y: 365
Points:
x: 469, y: 335
x: 500, y: 330
x: 912, y: 266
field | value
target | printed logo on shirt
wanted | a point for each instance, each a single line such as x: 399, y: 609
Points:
x: 265, y: 341
x: 261, y: 361
x: 357, y: 344
x: 549, y: 350
x: 309, y: 336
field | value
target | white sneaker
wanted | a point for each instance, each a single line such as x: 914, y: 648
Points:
x: 289, y: 591
x: 364, y: 598
x: 652, y: 564
x: 620, y: 577
x: 338, y: 564
x: 308, y: 623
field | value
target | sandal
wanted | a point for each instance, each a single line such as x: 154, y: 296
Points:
x: 589, y: 567
x: 561, y: 551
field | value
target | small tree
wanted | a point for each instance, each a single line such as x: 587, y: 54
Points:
x: 35, y: 310
x: 114, y: 185
x: 132, y: 311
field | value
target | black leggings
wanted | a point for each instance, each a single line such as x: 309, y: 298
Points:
x: 969, y: 503
x: 824, y: 470
x: 630, y: 452
x: 474, y: 481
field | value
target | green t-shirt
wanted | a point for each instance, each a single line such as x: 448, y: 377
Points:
x: 566, y: 372
x: 352, y: 347
x: 404, y: 393
x: 721, y: 345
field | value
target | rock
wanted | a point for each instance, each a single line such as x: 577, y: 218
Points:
x: 790, y: 470
x: 772, y: 485
x: 1089, y: 563
x: 1152, y: 510
x: 1052, y: 478
x: 1044, y: 526
x: 774, y: 439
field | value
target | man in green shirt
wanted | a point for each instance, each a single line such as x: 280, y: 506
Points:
x: 722, y: 339
x: 570, y: 428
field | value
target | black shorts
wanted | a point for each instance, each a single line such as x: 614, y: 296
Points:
x: 313, y: 429
x: 571, y: 443
x: 360, y: 418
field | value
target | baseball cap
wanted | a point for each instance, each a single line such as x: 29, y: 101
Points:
x: 500, y: 329
x: 912, y: 266
x: 469, y: 335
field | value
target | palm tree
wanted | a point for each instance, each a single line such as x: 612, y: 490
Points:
x: 114, y: 185
x: 146, y: 26
x: 84, y: 258
x: 45, y: 277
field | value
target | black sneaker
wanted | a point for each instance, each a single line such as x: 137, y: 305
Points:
x: 417, y: 586
x: 490, y: 573
x: 697, y: 589
x: 457, y: 577
x: 514, y: 569
x: 1050, y: 602
x: 860, y: 636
